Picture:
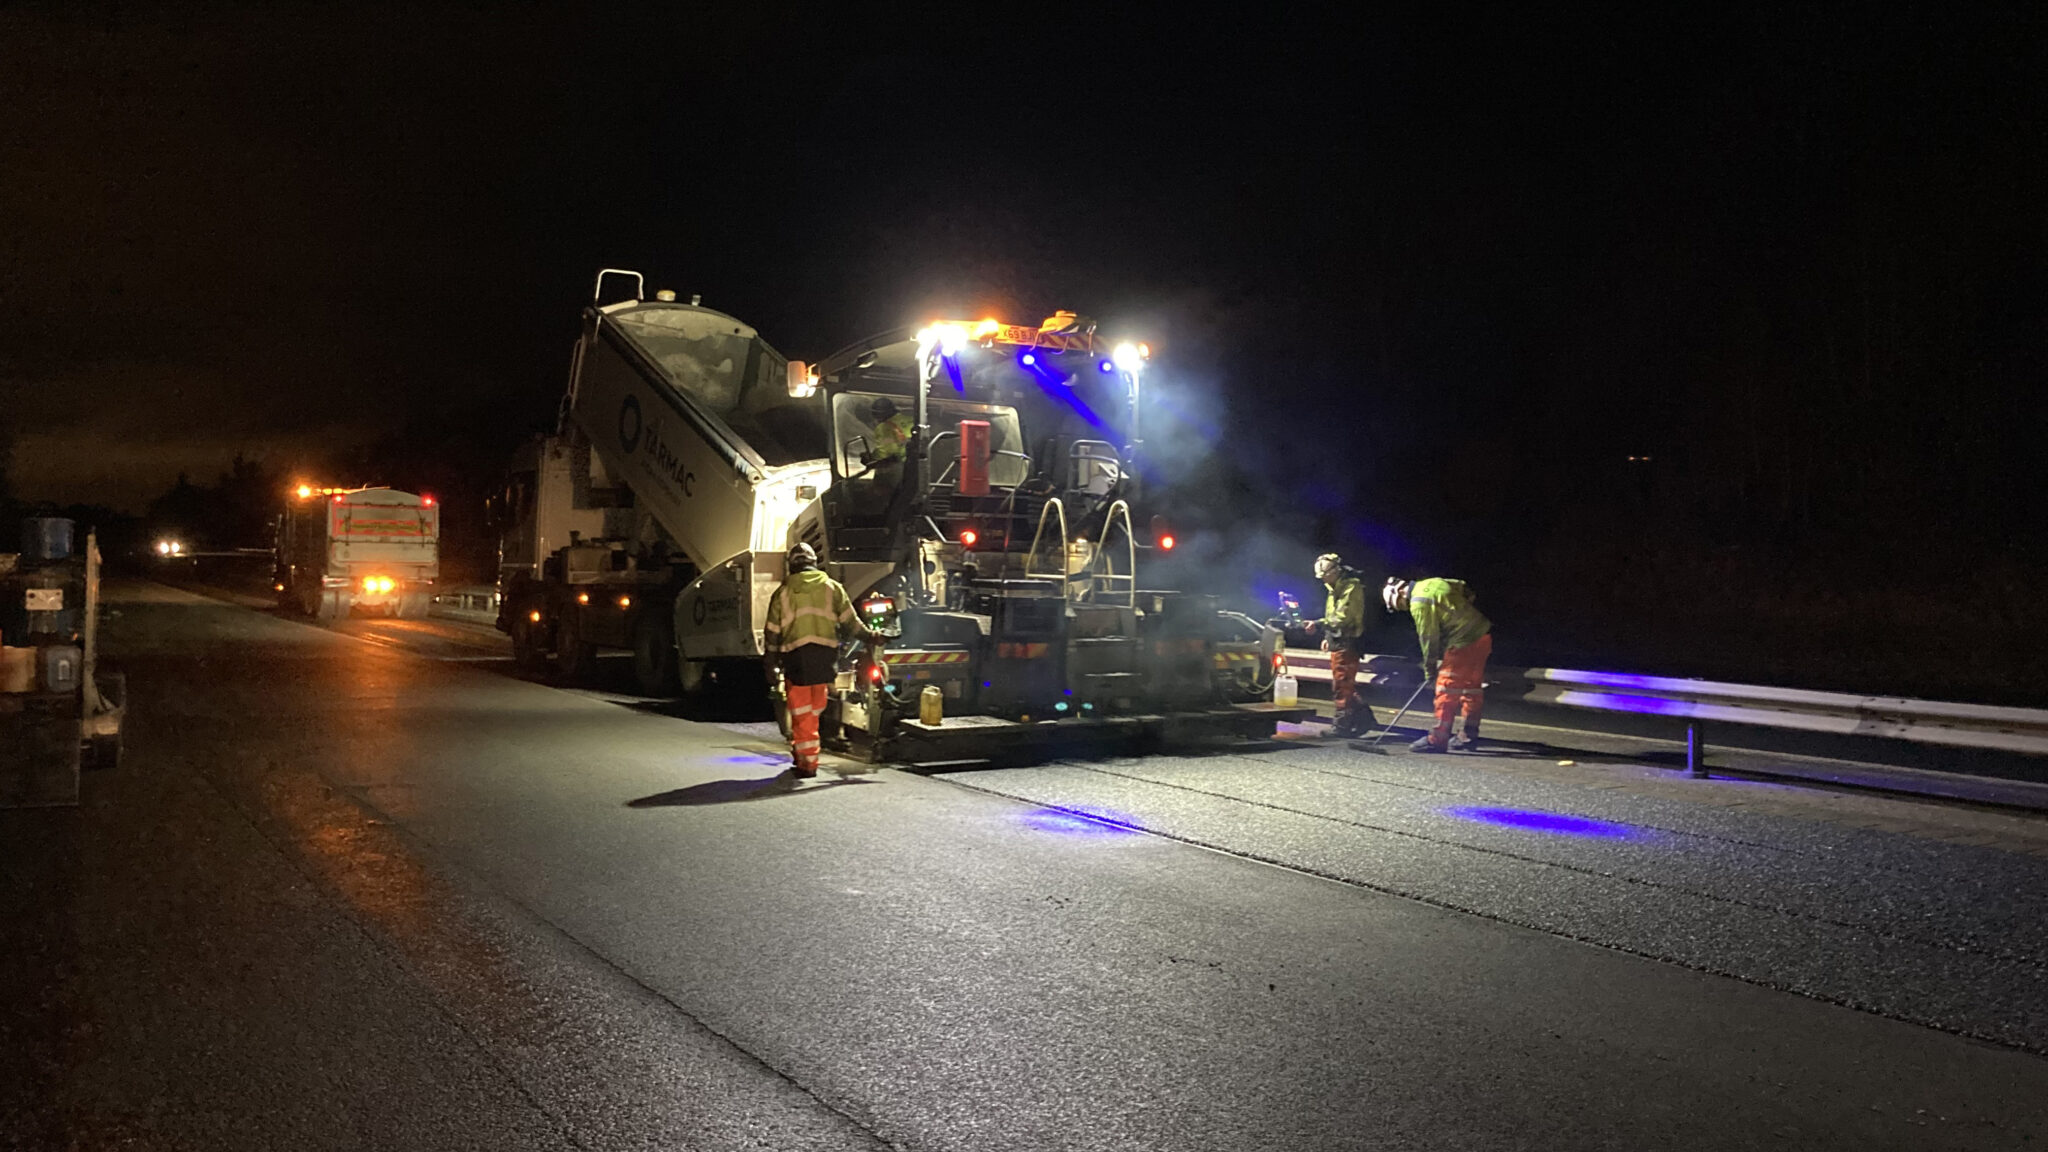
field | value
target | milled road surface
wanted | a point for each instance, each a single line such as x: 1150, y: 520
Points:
x: 363, y: 889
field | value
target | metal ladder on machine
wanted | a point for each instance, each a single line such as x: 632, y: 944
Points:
x: 1102, y: 661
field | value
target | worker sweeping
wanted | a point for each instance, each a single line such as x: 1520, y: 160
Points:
x: 1342, y: 628
x: 807, y: 615
x: 1456, y: 640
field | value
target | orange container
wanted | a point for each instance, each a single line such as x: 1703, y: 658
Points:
x: 17, y: 669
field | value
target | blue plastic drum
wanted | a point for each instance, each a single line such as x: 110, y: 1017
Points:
x: 45, y: 538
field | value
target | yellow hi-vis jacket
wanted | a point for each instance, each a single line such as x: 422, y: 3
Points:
x: 892, y: 437
x: 809, y: 608
x: 1344, y: 609
x: 1445, y: 617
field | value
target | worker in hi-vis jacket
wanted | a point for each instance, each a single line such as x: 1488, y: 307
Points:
x: 1456, y: 640
x: 800, y: 636
x: 1341, y: 629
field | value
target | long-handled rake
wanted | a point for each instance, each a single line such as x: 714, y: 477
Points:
x: 1375, y: 745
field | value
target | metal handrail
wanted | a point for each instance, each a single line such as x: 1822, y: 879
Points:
x: 1052, y: 505
x: 1075, y: 455
x: 1119, y: 513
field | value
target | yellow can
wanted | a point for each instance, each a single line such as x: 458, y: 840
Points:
x: 931, y: 705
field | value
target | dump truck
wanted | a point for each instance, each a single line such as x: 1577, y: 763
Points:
x: 340, y: 549
x: 974, y: 484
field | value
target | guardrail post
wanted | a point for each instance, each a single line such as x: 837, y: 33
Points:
x: 1695, y: 752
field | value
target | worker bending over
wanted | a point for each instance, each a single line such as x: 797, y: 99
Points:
x: 807, y: 616
x: 1342, y: 628
x: 1456, y: 641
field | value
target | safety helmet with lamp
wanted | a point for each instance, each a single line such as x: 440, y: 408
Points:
x: 801, y: 556
x: 1328, y: 565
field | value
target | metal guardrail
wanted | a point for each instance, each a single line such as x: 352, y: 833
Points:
x: 1844, y: 714
x: 466, y: 602
x: 1978, y: 726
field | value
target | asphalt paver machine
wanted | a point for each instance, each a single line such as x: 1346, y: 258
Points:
x: 975, y: 485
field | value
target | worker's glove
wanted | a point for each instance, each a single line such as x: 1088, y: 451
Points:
x: 1326, y: 646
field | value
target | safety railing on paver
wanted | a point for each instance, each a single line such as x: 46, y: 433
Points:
x: 2023, y: 730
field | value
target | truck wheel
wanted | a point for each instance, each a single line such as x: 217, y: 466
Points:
x: 693, y: 678
x: 103, y: 752
x: 410, y: 606
x: 333, y: 604
x: 575, y: 657
x: 654, y: 655
x: 527, y: 654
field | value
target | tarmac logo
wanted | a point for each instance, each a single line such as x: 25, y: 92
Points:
x: 629, y: 423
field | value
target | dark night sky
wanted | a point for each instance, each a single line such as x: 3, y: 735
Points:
x: 279, y: 228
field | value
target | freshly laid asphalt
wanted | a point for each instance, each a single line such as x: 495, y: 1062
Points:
x: 362, y: 888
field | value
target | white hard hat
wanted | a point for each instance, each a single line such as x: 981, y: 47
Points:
x: 1395, y: 593
x: 800, y: 556
x: 1326, y: 564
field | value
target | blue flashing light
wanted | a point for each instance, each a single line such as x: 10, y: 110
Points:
x: 1068, y: 823
x: 1555, y: 823
x: 1060, y: 707
x: 1108, y: 366
x: 1027, y: 359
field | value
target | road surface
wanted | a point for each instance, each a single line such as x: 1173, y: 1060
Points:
x: 364, y: 888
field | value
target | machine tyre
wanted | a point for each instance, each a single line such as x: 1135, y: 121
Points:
x: 103, y: 752
x: 575, y: 657
x: 410, y: 606
x: 333, y: 604
x: 654, y: 655
x: 527, y: 656
x: 693, y: 678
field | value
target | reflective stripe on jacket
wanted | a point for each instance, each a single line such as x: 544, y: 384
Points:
x: 1445, y: 617
x: 809, y: 608
x: 1344, y: 609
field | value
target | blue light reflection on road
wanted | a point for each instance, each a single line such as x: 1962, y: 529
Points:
x: 1556, y: 823
x: 1080, y: 823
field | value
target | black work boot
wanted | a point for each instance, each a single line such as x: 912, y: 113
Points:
x: 1465, y: 742
x: 1426, y: 744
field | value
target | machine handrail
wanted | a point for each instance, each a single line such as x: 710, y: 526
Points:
x: 953, y: 462
x: 1052, y: 505
x: 1119, y: 512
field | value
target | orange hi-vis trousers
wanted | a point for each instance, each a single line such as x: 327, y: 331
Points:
x: 1344, y: 684
x: 1461, y: 687
x: 806, y: 704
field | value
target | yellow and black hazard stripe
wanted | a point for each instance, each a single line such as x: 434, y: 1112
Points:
x: 928, y: 657
x: 1233, y: 660
x: 1014, y: 651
